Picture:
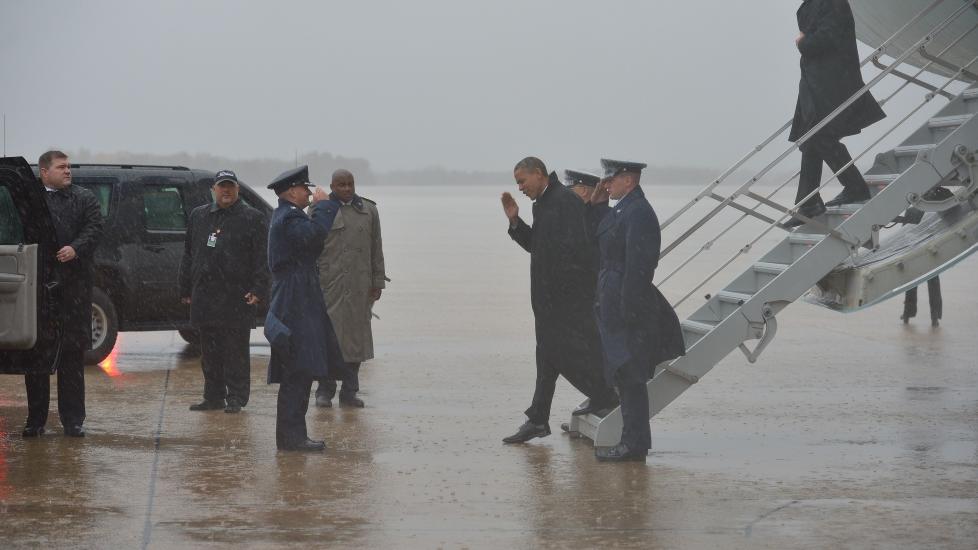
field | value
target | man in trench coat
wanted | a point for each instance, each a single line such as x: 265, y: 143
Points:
x: 78, y: 224
x: 223, y: 274
x: 351, y: 273
x: 563, y: 272
x: 830, y: 74
x: 304, y: 345
x: 639, y: 328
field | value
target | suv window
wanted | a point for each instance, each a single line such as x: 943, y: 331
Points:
x: 101, y: 187
x: 163, y: 208
x: 11, y: 230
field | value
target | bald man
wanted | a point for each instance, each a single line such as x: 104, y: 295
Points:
x: 351, y: 274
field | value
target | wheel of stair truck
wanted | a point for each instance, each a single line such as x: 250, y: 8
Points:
x: 105, y: 327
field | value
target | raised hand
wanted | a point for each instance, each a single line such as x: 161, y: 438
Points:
x: 510, y: 208
x: 600, y: 193
x: 319, y: 195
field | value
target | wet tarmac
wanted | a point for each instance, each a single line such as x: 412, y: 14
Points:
x: 851, y: 431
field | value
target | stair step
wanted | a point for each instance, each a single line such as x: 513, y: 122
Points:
x: 970, y: 94
x: 770, y: 268
x: 844, y: 209
x: 697, y: 326
x: 733, y: 297
x: 811, y: 239
x: 912, y: 150
x: 881, y: 178
x: 946, y: 121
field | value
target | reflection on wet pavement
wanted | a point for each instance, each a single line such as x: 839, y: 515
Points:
x: 851, y: 431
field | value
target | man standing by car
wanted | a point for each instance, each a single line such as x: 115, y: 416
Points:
x: 351, y: 273
x: 563, y: 271
x: 297, y: 326
x: 223, y: 274
x: 78, y: 225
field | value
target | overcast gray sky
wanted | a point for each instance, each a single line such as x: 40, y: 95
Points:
x: 406, y: 84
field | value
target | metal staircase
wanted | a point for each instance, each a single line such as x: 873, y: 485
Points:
x: 841, y: 254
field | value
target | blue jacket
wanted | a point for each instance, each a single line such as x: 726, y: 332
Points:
x: 297, y: 325
x: 636, y: 321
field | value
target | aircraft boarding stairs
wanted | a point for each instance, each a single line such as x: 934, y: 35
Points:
x: 839, y: 260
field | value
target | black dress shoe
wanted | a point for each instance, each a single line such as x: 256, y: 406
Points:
x: 527, y: 432
x: 32, y: 431
x: 233, y: 406
x: 324, y: 401
x: 74, y: 431
x: 308, y: 445
x: 808, y: 212
x: 619, y: 453
x: 206, y: 405
x: 351, y: 401
x: 849, y: 197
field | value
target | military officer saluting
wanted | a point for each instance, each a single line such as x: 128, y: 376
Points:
x: 581, y: 183
x: 304, y: 345
x: 639, y: 329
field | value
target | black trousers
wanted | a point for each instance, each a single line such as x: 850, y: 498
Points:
x: 586, y: 377
x: 826, y: 149
x: 631, y: 380
x: 350, y: 380
x: 71, y: 391
x: 226, y: 362
x: 933, y: 295
x: 293, y: 402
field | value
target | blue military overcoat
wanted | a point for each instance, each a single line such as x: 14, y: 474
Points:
x: 297, y: 325
x: 635, y: 320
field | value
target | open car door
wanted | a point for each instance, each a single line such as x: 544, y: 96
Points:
x: 30, y: 319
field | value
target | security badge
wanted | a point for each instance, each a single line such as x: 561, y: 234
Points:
x: 212, y: 239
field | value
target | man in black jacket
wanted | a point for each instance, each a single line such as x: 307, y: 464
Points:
x: 830, y: 75
x: 78, y: 224
x: 223, y: 274
x: 563, y: 274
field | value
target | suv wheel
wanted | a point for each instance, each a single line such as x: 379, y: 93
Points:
x: 105, y: 327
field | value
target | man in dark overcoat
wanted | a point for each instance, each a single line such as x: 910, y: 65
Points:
x: 639, y: 328
x: 563, y: 272
x: 223, y: 274
x: 78, y: 224
x: 830, y: 74
x: 304, y: 344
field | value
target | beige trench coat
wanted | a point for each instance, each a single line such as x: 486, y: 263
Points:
x: 351, y: 264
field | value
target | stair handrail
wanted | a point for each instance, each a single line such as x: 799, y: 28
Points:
x: 934, y: 92
x: 748, y: 246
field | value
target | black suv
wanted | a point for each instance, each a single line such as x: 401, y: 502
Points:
x: 137, y: 263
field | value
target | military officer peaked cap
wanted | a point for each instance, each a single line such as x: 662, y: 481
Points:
x: 614, y: 167
x: 290, y: 178
x: 573, y: 177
